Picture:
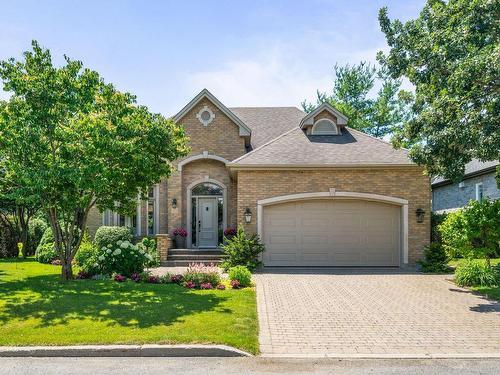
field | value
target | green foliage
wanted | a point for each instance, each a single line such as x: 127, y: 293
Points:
x: 242, y: 251
x: 86, y: 256
x: 122, y: 257
x: 36, y: 229
x: 242, y: 274
x: 105, y: 236
x: 46, y: 253
x: 201, y: 274
x: 436, y: 221
x: 149, y: 246
x: 451, y: 54
x: 8, y: 240
x: 472, y: 232
x: 435, y: 259
x: 477, y: 273
x: 87, y: 144
x: 47, y: 237
x: 351, y: 95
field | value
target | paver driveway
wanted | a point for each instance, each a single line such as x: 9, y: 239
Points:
x: 372, y: 312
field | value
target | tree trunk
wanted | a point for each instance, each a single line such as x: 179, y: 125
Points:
x: 67, y: 270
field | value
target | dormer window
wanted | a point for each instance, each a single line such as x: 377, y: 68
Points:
x: 324, y: 127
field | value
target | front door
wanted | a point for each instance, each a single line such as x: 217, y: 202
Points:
x: 207, y: 222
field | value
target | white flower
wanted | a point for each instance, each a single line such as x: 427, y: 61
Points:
x: 117, y: 252
x: 149, y: 257
x: 141, y: 251
x: 108, y: 251
x: 110, y: 246
x: 101, y: 258
x: 119, y: 242
x: 125, y: 244
x: 103, y: 248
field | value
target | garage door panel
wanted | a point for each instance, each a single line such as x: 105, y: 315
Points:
x: 332, y: 233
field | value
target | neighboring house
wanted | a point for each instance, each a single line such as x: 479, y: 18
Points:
x: 478, y: 183
x: 317, y: 192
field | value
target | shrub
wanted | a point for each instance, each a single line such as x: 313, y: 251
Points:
x: 149, y: 247
x: 242, y: 251
x: 36, y: 229
x: 176, y: 279
x: 206, y: 286
x: 166, y: 279
x: 83, y: 275
x: 472, y: 232
x: 235, y: 284
x: 221, y: 287
x: 435, y: 259
x: 242, y: 274
x: 201, y: 274
x: 477, y: 273
x: 8, y: 240
x: 46, y: 253
x: 436, y: 221
x: 123, y: 258
x: 86, y: 256
x: 119, y: 278
x: 111, y: 235
x: 135, y: 277
x: 153, y: 279
x: 190, y: 285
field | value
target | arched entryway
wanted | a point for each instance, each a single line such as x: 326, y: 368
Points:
x: 206, y: 213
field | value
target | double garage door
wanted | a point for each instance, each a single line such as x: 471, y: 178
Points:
x: 332, y: 233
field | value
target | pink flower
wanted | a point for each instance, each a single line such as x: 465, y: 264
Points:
x: 221, y: 287
x: 153, y: 279
x: 120, y: 278
x: 176, y: 279
x: 179, y: 232
x: 135, y: 277
x: 235, y: 284
x: 229, y: 232
x: 190, y: 285
x: 206, y: 286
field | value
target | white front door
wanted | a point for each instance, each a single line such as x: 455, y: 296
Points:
x: 207, y: 224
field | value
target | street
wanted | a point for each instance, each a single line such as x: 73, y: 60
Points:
x: 243, y: 366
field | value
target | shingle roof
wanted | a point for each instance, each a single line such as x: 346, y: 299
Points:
x: 471, y: 168
x: 267, y: 123
x: 295, y: 148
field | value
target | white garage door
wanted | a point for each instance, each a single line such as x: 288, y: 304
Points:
x: 331, y: 233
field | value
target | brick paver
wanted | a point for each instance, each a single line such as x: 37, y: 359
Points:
x: 382, y: 312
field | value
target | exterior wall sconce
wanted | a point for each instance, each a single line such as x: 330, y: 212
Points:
x: 174, y: 203
x: 248, y: 216
x: 420, y: 215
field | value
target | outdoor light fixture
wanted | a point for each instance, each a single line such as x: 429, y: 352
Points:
x: 248, y: 215
x: 420, y: 215
x: 174, y: 203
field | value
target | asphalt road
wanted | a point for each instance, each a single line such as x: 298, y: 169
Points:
x: 243, y: 366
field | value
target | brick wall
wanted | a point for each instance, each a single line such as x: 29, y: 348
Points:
x: 410, y: 184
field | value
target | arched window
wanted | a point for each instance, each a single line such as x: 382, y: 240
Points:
x: 207, y: 188
x: 324, y: 127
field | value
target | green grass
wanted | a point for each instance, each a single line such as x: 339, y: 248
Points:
x: 36, y: 308
x: 490, y: 292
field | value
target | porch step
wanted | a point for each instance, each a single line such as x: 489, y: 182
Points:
x: 184, y: 263
x: 195, y: 252
x: 194, y: 258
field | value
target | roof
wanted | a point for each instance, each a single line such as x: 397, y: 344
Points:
x: 244, y: 129
x: 296, y: 149
x: 309, y: 119
x: 268, y: 123
x: 473, y: 168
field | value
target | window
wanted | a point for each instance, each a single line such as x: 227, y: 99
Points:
x: 207, y: 188
x: 479, y: 191
x: 324, y: 127
x: 152, y: 211
x: 205, y: 116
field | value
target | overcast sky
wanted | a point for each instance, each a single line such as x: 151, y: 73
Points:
x: 247, y: 53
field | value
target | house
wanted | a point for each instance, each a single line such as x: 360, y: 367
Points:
x: 316, y: 191
x: 478, y: 183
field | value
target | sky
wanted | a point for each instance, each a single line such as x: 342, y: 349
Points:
x: 246, y: 52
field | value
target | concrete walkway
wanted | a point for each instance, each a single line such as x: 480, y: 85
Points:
x: 372, y: 313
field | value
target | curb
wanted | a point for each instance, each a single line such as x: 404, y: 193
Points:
x: 123, y: 351
x: 387, y: 356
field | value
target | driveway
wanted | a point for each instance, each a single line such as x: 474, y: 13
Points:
x: 372, y: 313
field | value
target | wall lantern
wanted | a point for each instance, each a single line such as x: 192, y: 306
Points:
x: 248, y: 215
x: 420, y: 215
x: 174, y: 203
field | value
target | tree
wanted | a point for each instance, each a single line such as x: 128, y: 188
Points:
x: 74, y: 142
x: 451, y: 53
x: 351, y: 96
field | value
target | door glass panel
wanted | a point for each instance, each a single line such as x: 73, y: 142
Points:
x: 194, y: 220
x: 220, y: 212
x: 207, y: 188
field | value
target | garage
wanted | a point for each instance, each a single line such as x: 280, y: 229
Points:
x: 332, y: 232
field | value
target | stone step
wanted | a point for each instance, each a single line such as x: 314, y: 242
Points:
x: 193, y: 257
x: 195, y: 252
x: 183, y: 263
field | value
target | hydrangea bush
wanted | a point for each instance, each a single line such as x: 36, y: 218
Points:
x: 123, y: 258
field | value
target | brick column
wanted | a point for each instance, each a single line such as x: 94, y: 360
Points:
x: 174, y: 190
x: 163, y: 244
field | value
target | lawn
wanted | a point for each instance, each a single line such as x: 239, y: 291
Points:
x: 490, y: 292
x: 36, y: 308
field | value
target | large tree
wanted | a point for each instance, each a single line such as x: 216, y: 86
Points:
x: 74, y: 142
x: 352, y: 94
x: 451, y: 54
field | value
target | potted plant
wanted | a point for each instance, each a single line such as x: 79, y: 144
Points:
x: 179, y: 236
x: 229, y: 233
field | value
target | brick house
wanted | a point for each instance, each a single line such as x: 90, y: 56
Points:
x: 478, y: 183
x: 317, y: 192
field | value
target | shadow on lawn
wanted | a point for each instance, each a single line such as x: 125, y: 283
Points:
x: 126, y: 304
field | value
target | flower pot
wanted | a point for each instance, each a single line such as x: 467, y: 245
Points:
x: 179, y: 242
